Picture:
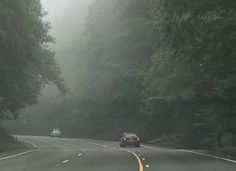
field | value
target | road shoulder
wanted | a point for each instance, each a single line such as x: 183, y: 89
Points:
x: 22, y: 147
x: 208, y: 153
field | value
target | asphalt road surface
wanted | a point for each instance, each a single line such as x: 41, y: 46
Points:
x: 63, y: 154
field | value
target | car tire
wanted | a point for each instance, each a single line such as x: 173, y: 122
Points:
x: 138, y: 145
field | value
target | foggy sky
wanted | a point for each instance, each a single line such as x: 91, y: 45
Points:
x: 54, y: 8
x: 67, y: 20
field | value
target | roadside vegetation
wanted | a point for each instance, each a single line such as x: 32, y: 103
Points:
x: 8, y: 142
x: 155, y: 67
x: 26, y: 62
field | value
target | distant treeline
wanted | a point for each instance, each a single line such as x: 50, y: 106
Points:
x: 157, y: 67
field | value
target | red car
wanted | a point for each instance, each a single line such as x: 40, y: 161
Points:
x: 130, y: 139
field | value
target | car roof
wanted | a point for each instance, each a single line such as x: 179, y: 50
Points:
x: 129, y: 133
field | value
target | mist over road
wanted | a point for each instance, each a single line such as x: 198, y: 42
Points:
x: 63, y: 154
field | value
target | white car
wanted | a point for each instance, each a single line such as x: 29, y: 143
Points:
x: 56, y: 133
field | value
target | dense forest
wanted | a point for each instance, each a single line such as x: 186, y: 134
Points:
x: 26, y: 62
x: 156, y: 67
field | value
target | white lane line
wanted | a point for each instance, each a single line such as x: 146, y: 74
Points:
x: 23, y: 153
x: 147, y: 166
x: 65, y: 161
x: 194, y: 152
x: 208, y: 155
x: 16, y: 155
x: 101, y: 145
x: 152, y: 148
x: 80, y: 154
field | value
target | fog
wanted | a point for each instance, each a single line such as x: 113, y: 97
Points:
x: 158, y: 72
x: 67, y: 19
x: 130, y: 65
x: 67, y: 24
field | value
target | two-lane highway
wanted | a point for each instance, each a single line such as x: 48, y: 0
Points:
x: 62, y: 154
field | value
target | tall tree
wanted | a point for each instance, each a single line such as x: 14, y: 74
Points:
x: 26, y: 62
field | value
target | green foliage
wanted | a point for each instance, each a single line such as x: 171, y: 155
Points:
x: 26, y: 62
x: 158, y: 67
x: 196, y: 48
x: 194, y: 62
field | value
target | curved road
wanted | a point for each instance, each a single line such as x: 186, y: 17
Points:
x: 55, y: 154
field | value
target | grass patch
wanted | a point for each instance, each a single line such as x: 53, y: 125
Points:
x: 8, y: 142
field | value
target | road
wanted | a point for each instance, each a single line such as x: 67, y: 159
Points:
x: 63, y: 154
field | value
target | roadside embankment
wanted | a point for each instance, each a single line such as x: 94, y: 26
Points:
x: 9, y: 142
x: 176, y: 142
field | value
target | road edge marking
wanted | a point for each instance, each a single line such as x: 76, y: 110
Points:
x: 207, y: 155
x: 17, y: 155
x: 22, y: 153
x: 194, y: 152
x: 139, y: 160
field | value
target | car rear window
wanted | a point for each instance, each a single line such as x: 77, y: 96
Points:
x: 130, y: 135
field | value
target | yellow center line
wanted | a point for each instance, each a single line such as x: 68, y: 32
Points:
x: 139, y: 160
x: 137, y: 157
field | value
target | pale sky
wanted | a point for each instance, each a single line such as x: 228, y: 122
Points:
x: 55, y: 8
x: 53, y: 5
x: 67, y: 20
